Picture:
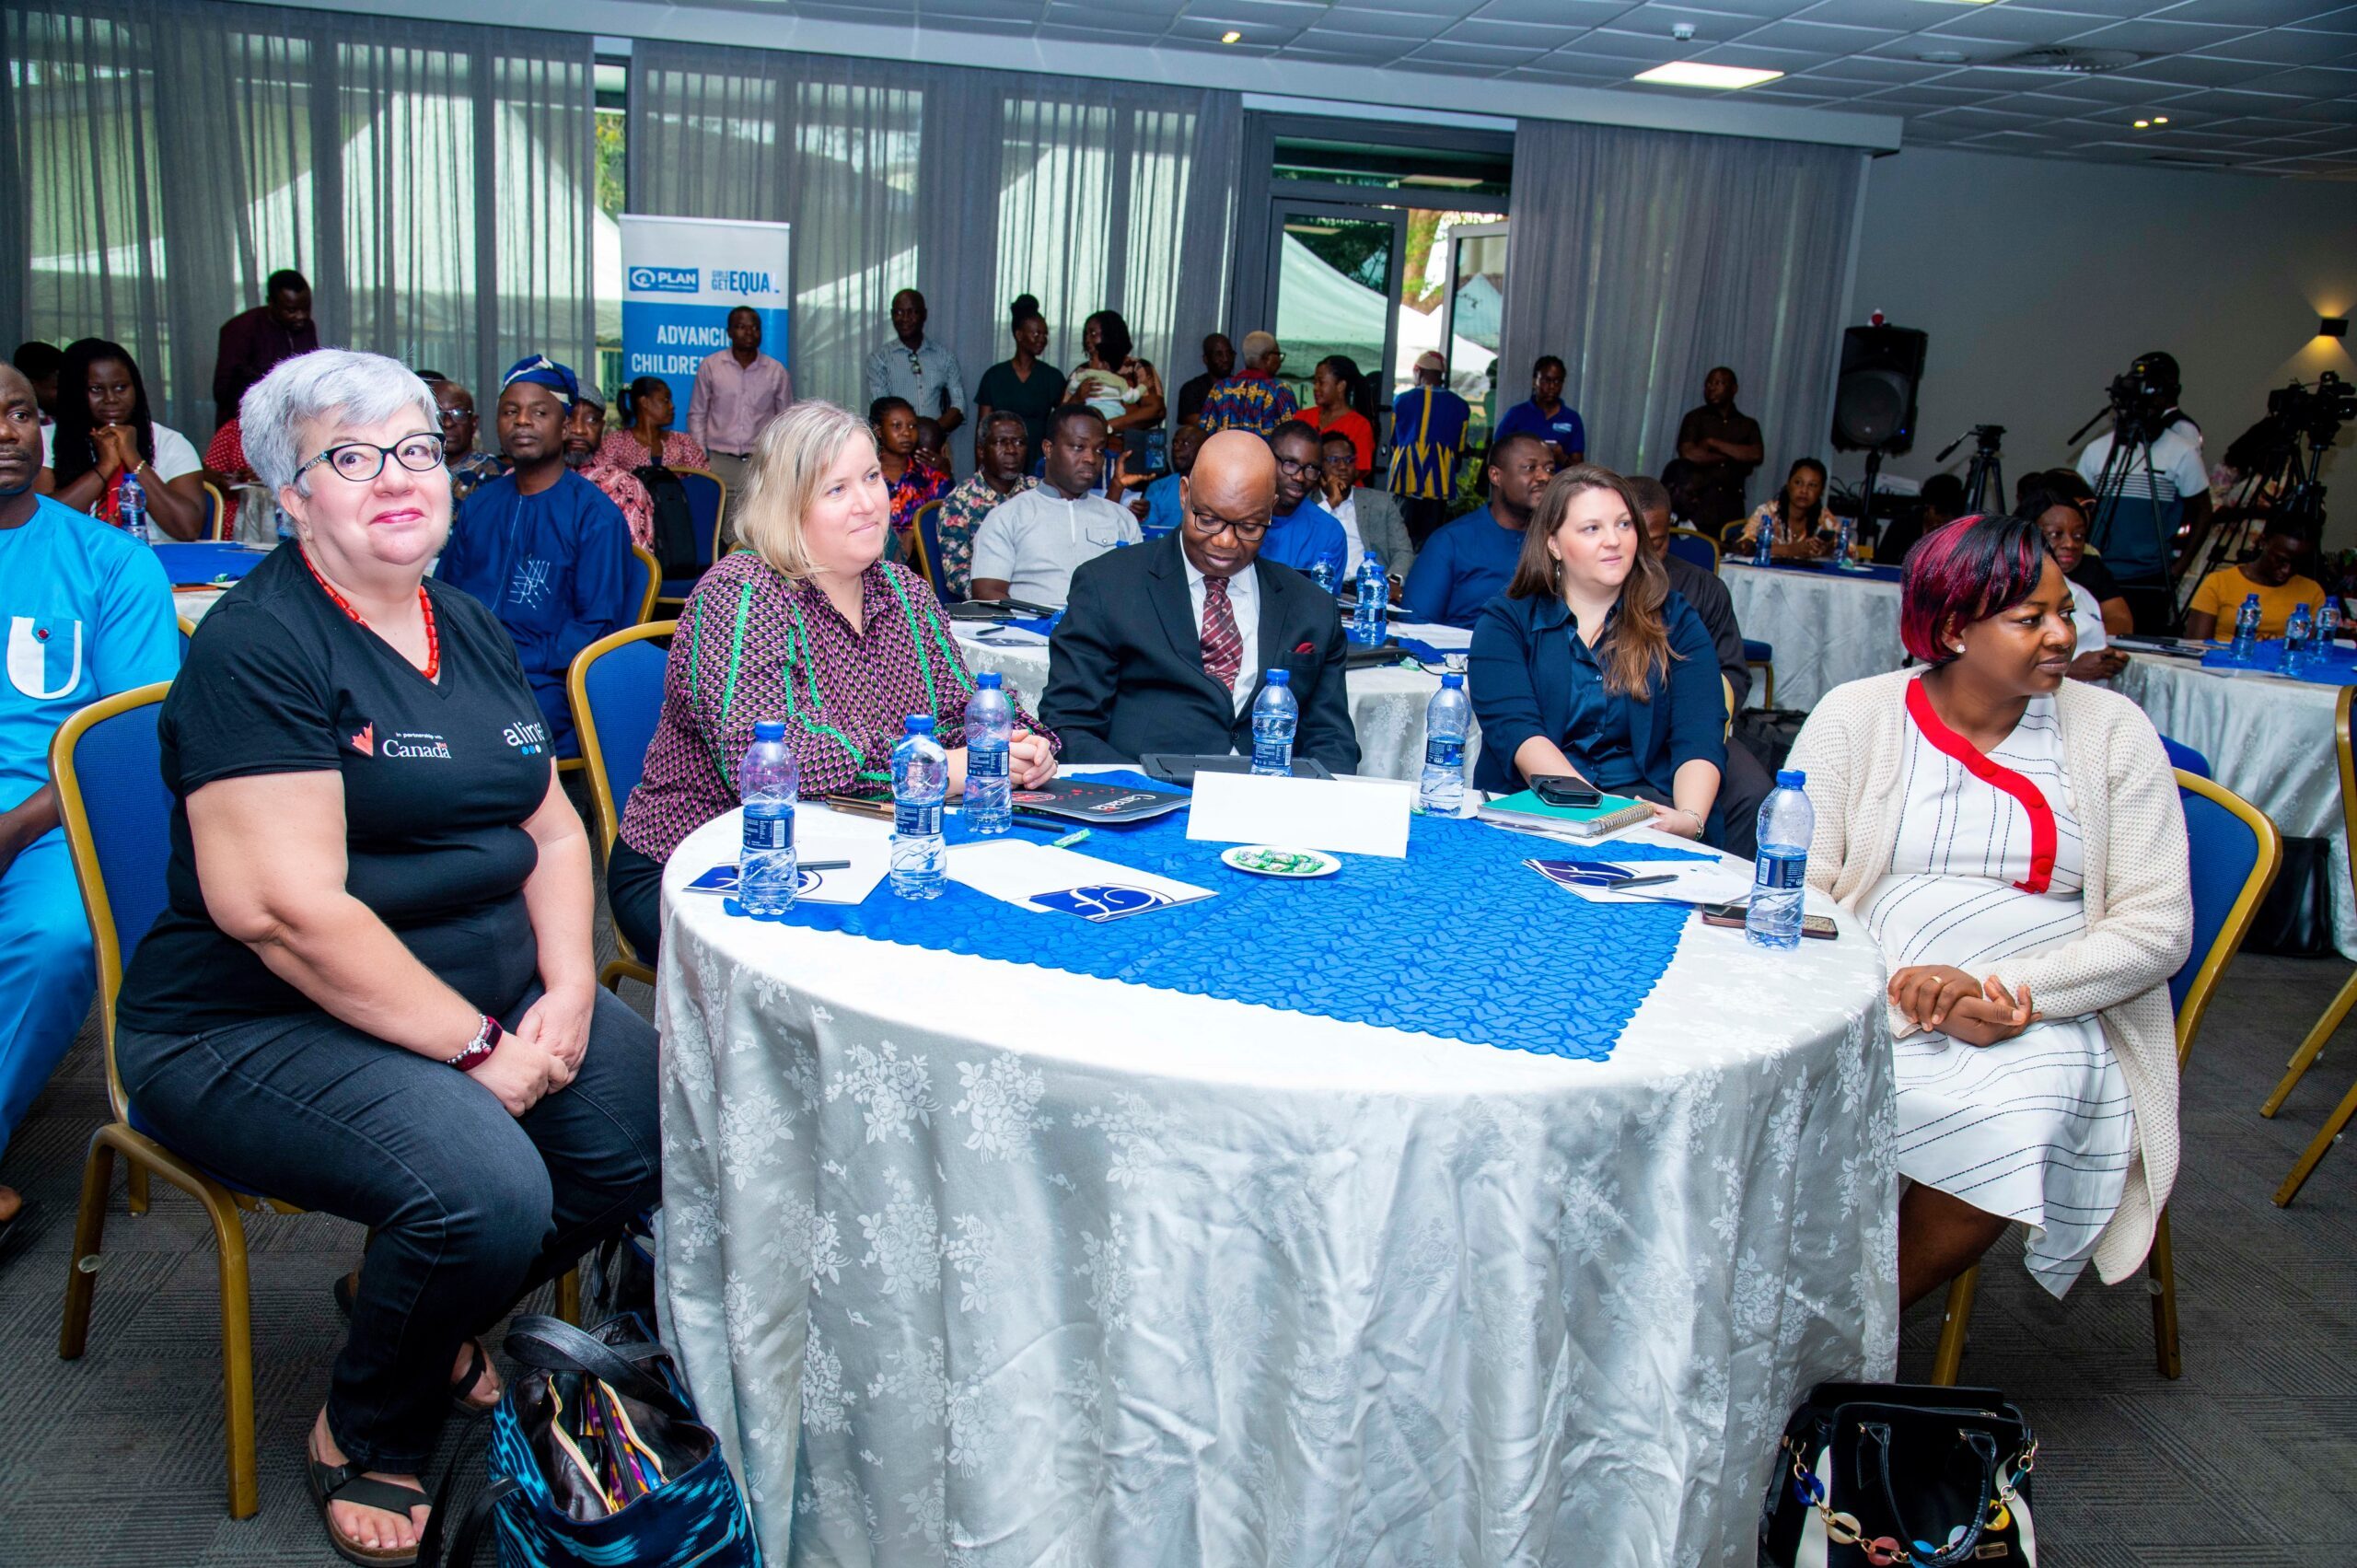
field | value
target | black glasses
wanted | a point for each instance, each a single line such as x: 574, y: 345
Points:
x: 1299, y: 469
x: 361, y: 461
x: 1212, y: 528
x: 453, y: 415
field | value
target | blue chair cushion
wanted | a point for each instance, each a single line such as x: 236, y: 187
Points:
x: 2221, y: 849
x: 2185, y: 758
x: 1758, y: 652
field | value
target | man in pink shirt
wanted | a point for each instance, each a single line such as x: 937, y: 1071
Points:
x: 738, y: 392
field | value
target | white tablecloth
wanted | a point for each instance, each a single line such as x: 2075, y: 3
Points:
x: 1386, y: 705
x: 969, y: 1262
x: 1825, y: 629
x: 2271, y: 741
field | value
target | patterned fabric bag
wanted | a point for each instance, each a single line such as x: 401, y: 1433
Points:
x: 596, y: 1459
x: 1883, y: 1474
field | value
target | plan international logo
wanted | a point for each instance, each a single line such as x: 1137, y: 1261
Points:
x: 664, y: 280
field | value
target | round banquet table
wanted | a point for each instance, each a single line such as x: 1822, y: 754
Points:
x: 1386, y: 705
x: 2267, y: 739
x: 1826, y: 627
x: 970, y: 1260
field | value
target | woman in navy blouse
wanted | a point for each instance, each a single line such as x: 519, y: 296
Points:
x: 1588, y: 665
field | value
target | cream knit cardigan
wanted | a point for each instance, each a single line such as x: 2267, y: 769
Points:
x: 2138, y: 896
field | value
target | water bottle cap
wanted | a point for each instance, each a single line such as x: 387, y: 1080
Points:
x: 918, y: 723
x: 1281, y: 677
x: 1371, y: 555
x: 770, y: 729
x: 2250, y: 598
x: 1791, y: 778
x: 1451, y: 679
x: 987, y: 681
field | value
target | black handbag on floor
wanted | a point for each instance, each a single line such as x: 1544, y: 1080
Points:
x: 1895, y: 1473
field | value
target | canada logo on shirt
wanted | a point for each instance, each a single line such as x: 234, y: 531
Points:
x: 364, y: 740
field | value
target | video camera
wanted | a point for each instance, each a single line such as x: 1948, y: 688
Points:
x: 2316, y: 413
x: 2142, y: 397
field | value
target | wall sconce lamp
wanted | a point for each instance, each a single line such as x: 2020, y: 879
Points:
x: 2333, y: 327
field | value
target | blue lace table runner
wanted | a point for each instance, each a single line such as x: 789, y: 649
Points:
x: 2332, y: 667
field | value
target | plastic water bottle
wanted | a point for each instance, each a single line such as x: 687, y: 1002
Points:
x: 1321, y: 572
x: 131, y: 506
x: 2246, y: 628
x: 2328, y: 623
x: 990, y: 726
x: 1275, y: 716
x: 1779, y: 877
x: 1371, y: 620
x: 1763, y: 547
x: 920, y: 783
x: 2299, y: 639
x: 768, y: 782
x: 1841, y: 545
x: 1448, y: 718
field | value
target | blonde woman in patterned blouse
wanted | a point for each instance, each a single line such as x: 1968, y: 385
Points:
x: 809, y: 624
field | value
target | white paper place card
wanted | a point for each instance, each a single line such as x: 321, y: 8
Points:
x: 1448, y: 639
x: 1049, y: 880
x: 1340, y: 816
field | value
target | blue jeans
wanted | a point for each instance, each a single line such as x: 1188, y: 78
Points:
x: 472, y: 1207
x: 46, y: 972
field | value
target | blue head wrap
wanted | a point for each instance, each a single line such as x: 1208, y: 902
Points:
x: 539, y: 370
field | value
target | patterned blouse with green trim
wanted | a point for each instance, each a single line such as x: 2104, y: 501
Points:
x: 753, y: 646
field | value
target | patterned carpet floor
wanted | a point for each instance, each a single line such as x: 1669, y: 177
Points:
x: 2249, y: 1460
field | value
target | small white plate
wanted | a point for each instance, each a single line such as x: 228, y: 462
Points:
x: 1291, y: 864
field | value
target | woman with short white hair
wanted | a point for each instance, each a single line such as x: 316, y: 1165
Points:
x: 809, y: 624
x: 372, y: 992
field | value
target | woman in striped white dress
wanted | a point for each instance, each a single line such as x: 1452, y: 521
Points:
x: 2012, y: 839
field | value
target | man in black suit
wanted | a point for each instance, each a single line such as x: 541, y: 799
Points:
x: 1163, y: 646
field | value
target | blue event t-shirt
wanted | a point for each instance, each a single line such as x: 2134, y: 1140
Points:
x: 1461, y: 569
x: 1307, y: 535
x: 1161, y: 507
x: 89, y: 614
x: 1562, y: 427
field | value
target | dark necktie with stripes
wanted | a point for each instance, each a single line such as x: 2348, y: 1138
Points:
x: 1223, y: 647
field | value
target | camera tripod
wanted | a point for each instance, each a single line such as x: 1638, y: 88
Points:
x: 2285, y: 486
x: 1984, y: 477
x: 2132, y: 433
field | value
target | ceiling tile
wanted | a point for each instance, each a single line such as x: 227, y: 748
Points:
x: 2199, y: 71
x: 1889, y: 15
x: 1507, y: 35
x: 2016, y: 25
x: 1879, y: 68
x: 1473, y: 54
x: 2311, y: 81
x: 1380, y: 24
x: 1819, y: 40
x: 2340, y: 21
x: 1611, y: 44
x: 2159, y: 38
x: 1569, y: 14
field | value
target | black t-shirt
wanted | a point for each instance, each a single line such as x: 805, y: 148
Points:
x: 1192, y: 394
x: 2091, y: 574
x: 438, y: 780
x: 1032, y: 400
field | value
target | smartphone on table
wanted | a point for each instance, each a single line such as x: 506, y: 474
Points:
x: 1559, y: 789
x: 1817, y: 925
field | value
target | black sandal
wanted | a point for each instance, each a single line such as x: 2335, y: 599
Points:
x: 341, y: 1483
x: 478, y: 1359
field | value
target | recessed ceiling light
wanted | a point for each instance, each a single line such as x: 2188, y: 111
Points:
x: 1941, y: 57
x: 1230, y: 38
x: 2159, y: 119
x: 1694, y: 74
x: 2144, y: 124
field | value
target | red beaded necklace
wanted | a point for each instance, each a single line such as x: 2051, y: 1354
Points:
x: 424, y: 605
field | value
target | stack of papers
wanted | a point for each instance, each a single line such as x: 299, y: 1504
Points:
x: 1041, y: 877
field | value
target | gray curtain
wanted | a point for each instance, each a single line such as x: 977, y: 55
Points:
x: 973, y: 186
x: 158, y: 161
x: 1643, y: 258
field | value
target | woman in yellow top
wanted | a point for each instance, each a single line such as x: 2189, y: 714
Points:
x: 2273, y: 574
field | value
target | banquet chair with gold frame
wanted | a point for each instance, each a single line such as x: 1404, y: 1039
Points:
x: 2235, y: 852
x: 615, y: 688
x: 2313, y: 1047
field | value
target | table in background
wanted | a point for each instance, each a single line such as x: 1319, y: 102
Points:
x: 962, y: 1254
x: 1826, y: 627
x: 2267, y: 739
x: 1386, y: 705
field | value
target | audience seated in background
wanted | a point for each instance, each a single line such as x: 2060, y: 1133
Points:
x: 646, y: 438
x: 2274, y: 573
x: 1588, y: 666
x: 1114, y: 381
x: 1252, y: 398
x: 739, y: 389
x: 225, y: 468
x: 40, y: 363
x: 1028, y: 545
x: 1166, y: 647
x: 2064, y: 527
x: 1799, y: 526
x: 587, y: 454
x: 89, y: 613
x: 1469, y: 563
x: 933, y: 447
x: 1340, y: 392
x: 1157, y: 507
x: 253, y: 340
x: 1219, y: 364
x: 913, y: 368
x: 1724, y: 446
x: 104, y: 432
x: 808, y: 623
x: 1745, y: 783
x: 1370, y: 518
x: 1428, y: 428
x: 909, y: 479
x: 1002, y: 442
x: 2087, y: 570
x: 541, y: 547
x: 1303, y: 534
x: 455, y: 411
x: 1939, y: 504
x: 2034, y: 1054
x: 1026, y: 385
x: 372, y: 992
x: 1547, y: 416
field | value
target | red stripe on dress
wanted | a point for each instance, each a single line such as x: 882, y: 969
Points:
x: 2033, y: 801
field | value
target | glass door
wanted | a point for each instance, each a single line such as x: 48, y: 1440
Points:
x: 1336, y: 279
x: 1473, y: 315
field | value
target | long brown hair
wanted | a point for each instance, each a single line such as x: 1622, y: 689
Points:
x: 1634, y: 650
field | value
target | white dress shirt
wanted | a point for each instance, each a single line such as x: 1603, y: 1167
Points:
x: 1244, y: 598
x: 1347, y: 514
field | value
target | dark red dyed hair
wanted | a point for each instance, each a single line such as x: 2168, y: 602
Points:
x: 1966, y: 571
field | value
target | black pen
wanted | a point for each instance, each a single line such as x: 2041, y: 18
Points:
x: 1626, y: 882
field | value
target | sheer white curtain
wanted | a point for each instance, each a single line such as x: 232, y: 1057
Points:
x: 1643, y: 258
x: 436, y: 182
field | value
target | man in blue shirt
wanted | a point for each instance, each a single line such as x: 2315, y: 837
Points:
x: 89, y: 613
x: 1302, y: 533
x: 1547, y: 416
x: 543, y: 547
x: 1162, y: 513
x: 1466, y: 563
